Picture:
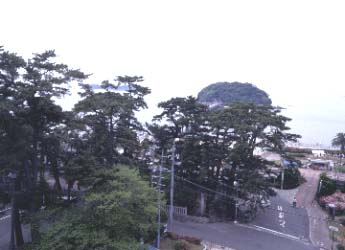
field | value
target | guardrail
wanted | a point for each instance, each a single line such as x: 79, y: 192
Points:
x: 177, y: 210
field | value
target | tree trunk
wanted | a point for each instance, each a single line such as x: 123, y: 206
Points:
x: 57, y: 185
x: 69, y: 187
x: 17, y: 224
x: 34, y: 161
x: 110, y: 153
x: 201, y: 204
x: 35, y: 230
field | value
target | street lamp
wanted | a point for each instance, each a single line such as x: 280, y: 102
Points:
x: 236, y: 204
x: 333, y: 229
x: 332, y: 210
x: 320, y: 185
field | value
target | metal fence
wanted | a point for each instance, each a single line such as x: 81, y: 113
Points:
x: 177, y: 210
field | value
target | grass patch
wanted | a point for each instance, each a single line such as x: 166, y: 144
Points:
x: 338, y: 236
x: 168, y: 244
x: 340, y: 169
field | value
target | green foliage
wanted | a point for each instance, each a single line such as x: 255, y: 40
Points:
x: 328, y: 185
x: 181, y: 245
x: 296, y: 155
x: 292, y: 178
x: 217, y: 147
x: 297, y: 152
x: 340, y: 247
x: 115, y: 214
x: 332, y: 152
x: 28, y: 115
x: 226, y: 93
x: 339, y: 141
x: 186, y: 197
x: 111, y: 117
x: 4, y: 197
x: 340, y: 169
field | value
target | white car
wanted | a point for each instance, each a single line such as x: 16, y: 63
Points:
x: 265, y: 203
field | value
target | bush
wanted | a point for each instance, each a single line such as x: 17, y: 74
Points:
x: 190, y: 239
x: 328, y: 185
x: 172, y: 236
x: 297, y: 155
x: 340, y: 169
x: 298, y: 150
x: 181, y: 245
x: 193, y: 240
x: 292, y: 178
x: 340, y: 247
x: 342, y: 222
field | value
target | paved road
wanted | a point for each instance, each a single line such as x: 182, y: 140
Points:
x: 240, y: 237
x: 5, y: 228
x: 318, y: 221
x: 282, y: 217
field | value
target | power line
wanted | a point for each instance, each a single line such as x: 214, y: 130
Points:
x: 234, y: 203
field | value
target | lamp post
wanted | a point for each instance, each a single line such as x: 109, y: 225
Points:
x: 332, y: 208
x: 320, y: 185
x: 236, y: 201
x: 282, y: 179
x: 333, y: 229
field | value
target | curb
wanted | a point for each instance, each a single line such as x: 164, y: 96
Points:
x: 205, y: 247
x: 214, y: 245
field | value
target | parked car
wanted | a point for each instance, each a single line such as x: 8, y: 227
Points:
x: 265, y: 203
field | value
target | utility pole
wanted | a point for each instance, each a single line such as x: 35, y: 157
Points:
x: 236, y: 202
x: 282, y: 180
x: 13, y: 177
x: 172, y: 176
x: 159, y: 201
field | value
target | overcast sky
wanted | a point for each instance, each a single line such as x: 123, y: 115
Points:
x: 293, y: 50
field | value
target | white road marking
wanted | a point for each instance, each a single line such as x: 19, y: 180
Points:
x: 263, y: 229
x: 281, y: 220
x: 5, y: 217
x: 2, y: 211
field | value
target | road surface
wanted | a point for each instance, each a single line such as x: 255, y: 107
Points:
x: 282, y: 217
x: 319, y: 233
x: 5, y: 228
x: 240, y: 237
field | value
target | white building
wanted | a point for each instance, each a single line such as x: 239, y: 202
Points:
x: 318, y: 152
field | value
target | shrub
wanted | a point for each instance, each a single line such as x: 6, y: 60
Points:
x: 172, y: 236
x: 181, y: 245
x: 193, y: 240
x: 190, y: 239
x: 292, y: 178
x: 328, y: 185
x: 340, y: 247
x: 342, y: 222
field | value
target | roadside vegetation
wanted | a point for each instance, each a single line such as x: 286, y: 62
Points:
x: 83, y: 177
x: 292, y: 179
x: 178, y: 242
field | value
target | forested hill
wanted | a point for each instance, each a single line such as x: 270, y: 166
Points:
x: 221, y: 94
